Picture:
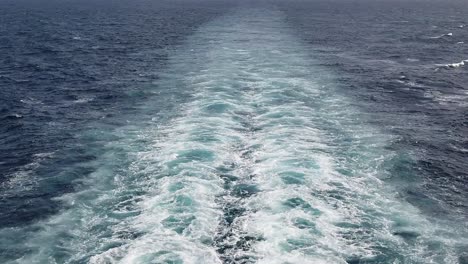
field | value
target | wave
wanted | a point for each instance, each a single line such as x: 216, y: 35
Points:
x: 442, y: 36
x: 453, y: 65
x: 24, y: 179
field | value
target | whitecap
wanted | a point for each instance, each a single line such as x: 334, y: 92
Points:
x: 30, y: 101
x: 83, y: 100
x: 453, y: 65
x: 441, y: 36
x: 24, y: 178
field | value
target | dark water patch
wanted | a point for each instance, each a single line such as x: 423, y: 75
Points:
x: 25, y: 210
x: 407, y: 235
x: 229, y: 180
x: 178, y: 224
x: 128, y: 235
x: 230, y: 241
x: 232, y: 212
x: 301, y: 204
x: 244, y: 190
x: 381, y: 256
x: 463, y: 259
x: 302, y: 223
x: 229, y: 251
x: 292, y: 177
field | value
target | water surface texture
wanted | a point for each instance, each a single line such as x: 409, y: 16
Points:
x: 219, y: 132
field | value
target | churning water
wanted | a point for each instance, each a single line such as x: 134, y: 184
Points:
x: 237, y: 143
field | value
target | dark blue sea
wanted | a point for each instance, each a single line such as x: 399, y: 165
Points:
x: 215, y: 131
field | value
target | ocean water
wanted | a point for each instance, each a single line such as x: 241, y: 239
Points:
x: 233, y: 132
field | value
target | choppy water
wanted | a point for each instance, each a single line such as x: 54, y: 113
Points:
x: 214, y: 132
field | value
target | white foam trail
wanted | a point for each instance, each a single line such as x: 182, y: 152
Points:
x: 307, y: 170
x: 307, y: 207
